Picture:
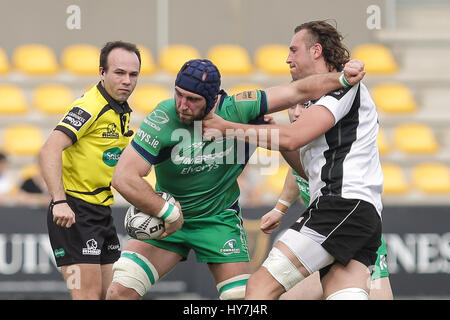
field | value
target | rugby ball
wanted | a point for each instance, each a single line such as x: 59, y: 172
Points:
x: 142, y: 226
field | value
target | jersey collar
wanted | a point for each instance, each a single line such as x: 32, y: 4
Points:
x: 117, y: 107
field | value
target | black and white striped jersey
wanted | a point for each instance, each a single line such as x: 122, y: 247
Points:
x: 345, y: 160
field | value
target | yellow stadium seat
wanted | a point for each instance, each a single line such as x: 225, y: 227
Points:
x: 22, y: 139
x: 271, y: 59
x: 378, y: 59
x: 151, y: 178
x: 36, y: 59
x: 148, y: 65
x: 431, y: 177
x: 146, y: 97
x: 394, y: 179
x: 81, y: 59
x: 241, y: 87
x: 394, y: 98
x: 275, y: 182
x: 230, y: 59
x: 172, y: 57
x: 12, y: 100
x: 415, y: 138
x: 30, y: 171
x: 382, y: 141
x: 52, y: 98
x: 4, y: 64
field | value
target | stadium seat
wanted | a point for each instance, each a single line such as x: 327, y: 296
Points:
x: 148, y: 65
x: 35, y: 59
x: 231, y: 59
x: 275, y: 181
x: 415, y: 138
x: 22, y: 139
x: 241, y: 87
x: 4, y: 64
x: 13, y: 100
x: 271, y: 59
x: 431, y: 178
x: 382, y: 141
x: 29, y: 171
x: 81, y: 59
x: 378, y: 59
x: 172, y: 57
x: 151, y: 178
x: 146, y: 97
x: 52, y: 99
x: 394, y: 98
x: 394, y: 179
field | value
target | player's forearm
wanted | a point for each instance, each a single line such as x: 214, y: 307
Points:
x: 50, y: 160
x: 137, y: 191
x: 293, y: 159
x: 290, y: 190
x: 315, y: 86
x: 273, y: 137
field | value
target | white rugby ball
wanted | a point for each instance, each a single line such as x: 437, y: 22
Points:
x: 166, y: 196
x: 142, y: 226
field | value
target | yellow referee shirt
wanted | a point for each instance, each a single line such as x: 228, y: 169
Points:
x: 96, y: 123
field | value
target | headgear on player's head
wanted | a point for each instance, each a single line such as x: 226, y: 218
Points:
x: 190, y: 78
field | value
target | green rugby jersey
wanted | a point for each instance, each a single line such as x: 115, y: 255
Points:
x: 201, y: 175
x: 303, y: 188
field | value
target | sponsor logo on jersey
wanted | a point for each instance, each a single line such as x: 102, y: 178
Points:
x: 159, y: 116
x: 111, y: 156
x: 230, y: 247
x: 246, y: 96
x: 338, y: 94
x: 111, y: 132
x: 114, y: 246
x: 91, y: 248
x: 151, y: 124
x: 77, y: 118
x: 143, y: 136
x: 59, y: 253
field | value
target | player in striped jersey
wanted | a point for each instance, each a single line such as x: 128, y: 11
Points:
x: 340, y: 231
x: 310, y: 288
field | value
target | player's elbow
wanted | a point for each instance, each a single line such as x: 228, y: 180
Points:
x: 118, y: 180
x: 290, y: 143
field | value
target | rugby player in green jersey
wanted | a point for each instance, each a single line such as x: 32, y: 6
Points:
x: 201, y: 175
x: 310, y: 288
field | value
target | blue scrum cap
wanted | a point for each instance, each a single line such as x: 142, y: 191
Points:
x: 190, y: 78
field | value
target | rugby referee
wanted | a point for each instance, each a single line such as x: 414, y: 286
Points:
x: 77, y: 162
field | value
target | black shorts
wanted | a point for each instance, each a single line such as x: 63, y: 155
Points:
x: 346, y: 228
x: 91, y: 239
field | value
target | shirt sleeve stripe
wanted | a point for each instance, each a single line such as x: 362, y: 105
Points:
x: 68, y: 132
x: 164, y: 154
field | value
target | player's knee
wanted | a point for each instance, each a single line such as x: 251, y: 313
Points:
x: 133, y: 271
x: 233, y: 288
x: 282, y: 269
x: 349, y: 294
x: 117, y: 292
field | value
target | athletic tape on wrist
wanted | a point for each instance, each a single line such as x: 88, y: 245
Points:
x: 344, y: 81
x: 169, y: 212
x: 279, y: 211
x: 286, y: 203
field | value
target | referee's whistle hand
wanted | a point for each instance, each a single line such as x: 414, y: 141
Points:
x: 63, y: 216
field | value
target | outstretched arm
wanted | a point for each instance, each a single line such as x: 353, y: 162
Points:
x: 313, y: 87
x: 313, y: 122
